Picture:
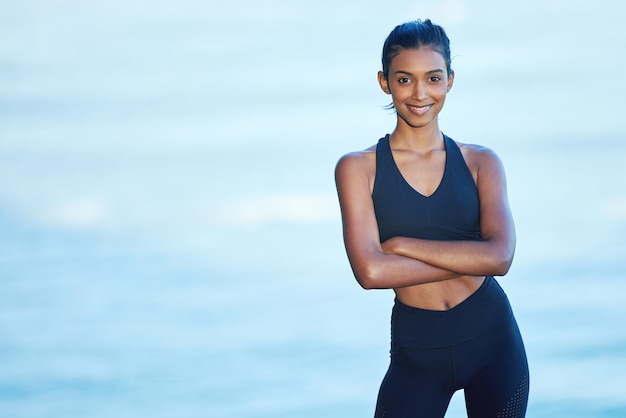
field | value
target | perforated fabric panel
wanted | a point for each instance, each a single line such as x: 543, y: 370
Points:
x: 380, y: 412
x: 516, y: 407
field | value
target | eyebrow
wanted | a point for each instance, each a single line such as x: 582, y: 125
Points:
x: 438, y: 70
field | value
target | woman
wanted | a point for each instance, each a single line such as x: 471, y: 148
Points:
x: 429, y: 218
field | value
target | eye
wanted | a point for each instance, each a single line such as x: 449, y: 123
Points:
x: 435, y: 79
x: 404, y: 80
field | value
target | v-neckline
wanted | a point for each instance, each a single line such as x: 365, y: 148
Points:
x: 405, y: 181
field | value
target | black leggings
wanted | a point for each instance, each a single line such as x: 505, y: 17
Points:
x: 475, y: 346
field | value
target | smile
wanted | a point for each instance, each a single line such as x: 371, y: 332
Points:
x: 419, y: 110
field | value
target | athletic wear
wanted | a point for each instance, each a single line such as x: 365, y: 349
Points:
x: 452, y: 212
x: 476, y: 345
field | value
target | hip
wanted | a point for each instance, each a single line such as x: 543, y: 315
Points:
x: 485, y: 309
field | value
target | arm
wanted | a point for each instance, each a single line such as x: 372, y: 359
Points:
x: 373, y: 268
x: 491, y: 256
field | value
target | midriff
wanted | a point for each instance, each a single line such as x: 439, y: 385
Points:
x: 440, y: 296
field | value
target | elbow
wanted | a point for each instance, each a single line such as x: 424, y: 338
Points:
x: 367, y: 278
x: 500, y: 270
x: 502, y: 264
x: 365, y: 281
x: 369, y: 284
x: 365, y: 284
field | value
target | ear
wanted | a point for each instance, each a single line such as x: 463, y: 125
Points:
x: 450, y: 80
x: 382, y: 80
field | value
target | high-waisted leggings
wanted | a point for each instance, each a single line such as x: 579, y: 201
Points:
x: 475, y: 346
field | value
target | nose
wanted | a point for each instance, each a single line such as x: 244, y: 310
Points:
x: 419, y: 92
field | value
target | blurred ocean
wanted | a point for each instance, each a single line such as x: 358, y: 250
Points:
x: 170, y: 240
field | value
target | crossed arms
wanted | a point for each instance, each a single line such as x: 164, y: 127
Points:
x: 401, y: 261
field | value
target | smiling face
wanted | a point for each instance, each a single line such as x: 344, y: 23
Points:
x: 418, y: 83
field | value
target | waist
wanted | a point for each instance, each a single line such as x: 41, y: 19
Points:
x: 442, y: 295
x: 484, y: 310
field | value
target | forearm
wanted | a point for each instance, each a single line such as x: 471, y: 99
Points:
x: 474, y: 258
x: 388, y: 271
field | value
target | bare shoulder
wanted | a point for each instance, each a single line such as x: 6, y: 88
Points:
x: 356, y: 162
x: 355, y: 172
x: 478, y: 156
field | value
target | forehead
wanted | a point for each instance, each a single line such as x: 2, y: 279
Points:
x: 422, y: 59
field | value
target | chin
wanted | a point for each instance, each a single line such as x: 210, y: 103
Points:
x: 412, y: 123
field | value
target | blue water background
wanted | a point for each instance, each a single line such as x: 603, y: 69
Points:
x: 170, y: 244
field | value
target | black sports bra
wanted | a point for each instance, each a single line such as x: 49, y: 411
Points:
x: 452, y: 212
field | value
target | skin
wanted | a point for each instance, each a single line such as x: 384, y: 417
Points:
x: 428, y: 274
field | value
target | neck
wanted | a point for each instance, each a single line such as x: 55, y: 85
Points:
x: 417, y: 138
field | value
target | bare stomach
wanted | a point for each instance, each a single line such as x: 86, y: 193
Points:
x: 440, y: 296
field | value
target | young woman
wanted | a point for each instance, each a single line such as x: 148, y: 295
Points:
x: 429, y: 218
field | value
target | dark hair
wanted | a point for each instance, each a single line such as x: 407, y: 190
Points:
x: 413, y: 35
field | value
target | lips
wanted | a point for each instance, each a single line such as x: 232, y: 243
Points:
x: 420, y: 110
